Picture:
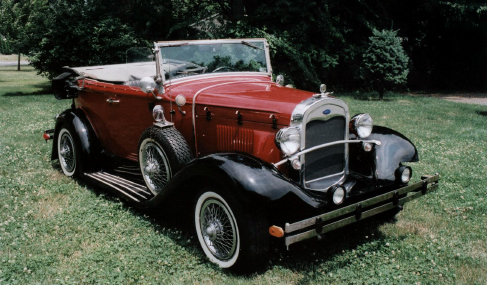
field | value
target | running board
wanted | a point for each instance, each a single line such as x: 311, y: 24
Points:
x: 134, y: 191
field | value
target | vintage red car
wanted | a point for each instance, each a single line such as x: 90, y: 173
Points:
x: 200, y: 130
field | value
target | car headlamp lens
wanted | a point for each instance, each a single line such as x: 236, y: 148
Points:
x: 289, y: 140
x: 362, y: 125
x: 404, y: 174
x: 338, y: 195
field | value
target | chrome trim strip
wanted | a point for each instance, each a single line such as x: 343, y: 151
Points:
x: 128, y: 182
x: 116, y: 182
x: 296, y: 155
x: 365, y: 204
x: 113, y: 186
x: 431, y: 181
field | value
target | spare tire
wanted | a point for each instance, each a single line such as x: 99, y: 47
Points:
x: 162, y: 153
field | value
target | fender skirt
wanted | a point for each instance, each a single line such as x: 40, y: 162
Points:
x: 84, y: 135
x: 254, y: 183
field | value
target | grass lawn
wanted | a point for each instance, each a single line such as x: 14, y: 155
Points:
x: 55, y: 230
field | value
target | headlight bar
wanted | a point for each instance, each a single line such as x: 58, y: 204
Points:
x: 296, y: 155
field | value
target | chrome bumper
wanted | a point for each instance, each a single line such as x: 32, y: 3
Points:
x: 350, y: 214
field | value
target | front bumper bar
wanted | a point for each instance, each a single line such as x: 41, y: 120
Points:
x: 324, y: 223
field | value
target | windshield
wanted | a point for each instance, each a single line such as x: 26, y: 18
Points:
x: 195, y: 58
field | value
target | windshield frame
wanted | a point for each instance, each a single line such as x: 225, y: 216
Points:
x: 248, y: 42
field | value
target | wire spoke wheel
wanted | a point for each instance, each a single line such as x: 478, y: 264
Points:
x: 218, y: 229
x: 162, y: 153
x: 67, y: 152
x: 154, y: 165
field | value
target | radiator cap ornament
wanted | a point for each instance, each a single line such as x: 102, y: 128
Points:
x: 323, y: 88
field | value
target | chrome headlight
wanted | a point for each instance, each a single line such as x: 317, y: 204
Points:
x: 288, y: 140
x: 403, y: 174
x: 361, y: 125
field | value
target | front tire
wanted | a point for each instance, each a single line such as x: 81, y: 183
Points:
x: 67, y: 149
x: 229, y: 237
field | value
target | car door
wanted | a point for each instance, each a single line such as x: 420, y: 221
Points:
x: 119, y: 115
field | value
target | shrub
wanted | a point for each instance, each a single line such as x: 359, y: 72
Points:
x: 385, y: 64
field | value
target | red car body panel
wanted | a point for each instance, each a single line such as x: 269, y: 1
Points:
x: 219, y: 102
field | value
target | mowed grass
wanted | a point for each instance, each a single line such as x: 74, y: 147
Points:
x: 56, y: 230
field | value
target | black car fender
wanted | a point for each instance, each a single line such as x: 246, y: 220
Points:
x: 255, y: 184
x: 386, y: 158
x: 85, y: 135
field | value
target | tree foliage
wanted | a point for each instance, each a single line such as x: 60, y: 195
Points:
x: 311, y: 41
x: 385, y: 64
x: 91, y: 32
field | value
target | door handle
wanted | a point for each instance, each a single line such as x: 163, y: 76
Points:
x: 112, y: 100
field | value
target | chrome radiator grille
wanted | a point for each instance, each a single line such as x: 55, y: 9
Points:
x: 325, y: 161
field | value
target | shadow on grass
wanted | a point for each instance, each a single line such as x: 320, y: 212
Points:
x: 371, y: 97
x: 13, y: 68
x: 304, y: 257
x: 482, y: 113
x: 44, y: 90
x: 308, y: 255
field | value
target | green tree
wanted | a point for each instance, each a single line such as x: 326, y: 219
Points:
x: 14, y: 15
x: 312, y: 42
x: 92, y: 32
x: 385, y: 64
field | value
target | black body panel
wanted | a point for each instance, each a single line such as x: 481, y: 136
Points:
x: 381, y: 163
x: 64, y: 86
x: 253, y: 182
x: 84, y: 136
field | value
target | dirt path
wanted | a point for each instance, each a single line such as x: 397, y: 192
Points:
x: 13, y: 63
x: 469, y: 98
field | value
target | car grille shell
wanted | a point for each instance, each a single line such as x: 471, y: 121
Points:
x: 325, y: 161
x: 324, y: 120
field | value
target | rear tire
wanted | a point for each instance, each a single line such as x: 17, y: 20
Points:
x: 230, y: 237
x: 68, y: 152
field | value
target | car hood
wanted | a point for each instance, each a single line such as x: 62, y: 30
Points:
x: 255, y: 98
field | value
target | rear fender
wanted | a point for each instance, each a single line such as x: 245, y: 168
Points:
x: 64, y: 86
x: 85, y: 135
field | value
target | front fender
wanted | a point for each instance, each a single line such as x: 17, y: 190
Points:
x: 380, y: 165
x: 395, y: 149
x: 253, y: 182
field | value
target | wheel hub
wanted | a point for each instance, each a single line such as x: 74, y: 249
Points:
x: 152, y: 168
x: 64, y: 150
x: 213, y: 230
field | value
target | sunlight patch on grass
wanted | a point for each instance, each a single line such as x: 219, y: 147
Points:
x: 478, y: 249
x: 470, y: 275
x: 48, y: 207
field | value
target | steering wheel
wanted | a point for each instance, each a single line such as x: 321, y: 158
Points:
x: 194, y: 68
